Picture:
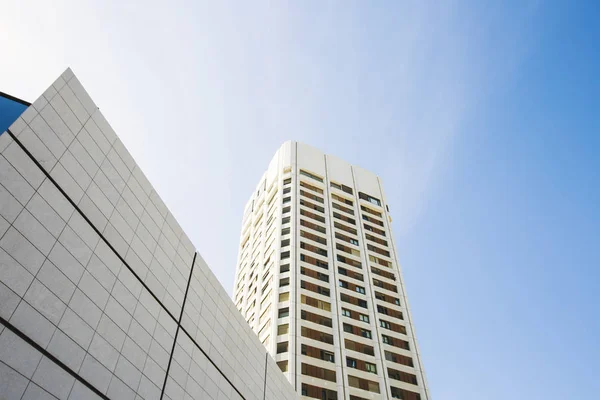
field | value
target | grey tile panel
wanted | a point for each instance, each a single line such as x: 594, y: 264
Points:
x: 94, y: 270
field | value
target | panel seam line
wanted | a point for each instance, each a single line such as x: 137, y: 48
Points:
x: 51, y: 357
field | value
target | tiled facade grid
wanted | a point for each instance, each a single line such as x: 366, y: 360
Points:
x: 94, y: 271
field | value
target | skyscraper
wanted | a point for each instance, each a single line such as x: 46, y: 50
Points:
x: 318, y: 280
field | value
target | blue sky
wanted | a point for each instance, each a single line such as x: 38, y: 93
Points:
x: 482, y: 120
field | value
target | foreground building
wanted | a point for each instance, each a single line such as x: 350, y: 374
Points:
x: 318, y: 280
x: 102, y: 295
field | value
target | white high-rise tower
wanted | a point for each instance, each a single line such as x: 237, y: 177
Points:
x: 318, y: 280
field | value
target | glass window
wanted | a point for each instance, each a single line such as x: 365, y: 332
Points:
x: 282, y: 347
x: 284, y: 312
x: 371, y: 367
x: 283, y: 329
x: 283, y: 365
x: 305, y: 173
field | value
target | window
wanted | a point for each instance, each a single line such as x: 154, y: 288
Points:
x: 287, y: 190
x: 346, y: 313
x: 323, y: 305
x: 264, y: 329
x: 284, y: 296
x: 284, y: 268
x: 285, y: 231
x: 344, y: 284
x: 314, y: 249
x: 371, y: 367
x: 285, y: 242
x: 390, y: 312
x: 314, y: 274
x: 287, y: 181
x: 389, y: 299
x: 318, y: 392
x: 376, y: 239
x: 385, y: 324
x: 360, y: 289
x: 368, y: 210
x: 283, y: 329
x: 363, y: 318
x: 312, y: 237
x: 310, y: 225
x: 314, y: 288
x: 342, y: 187
x: 328, y: 356
x: 305, y: 173
x: 285, y: 210
x: 313, y: 261
x: 354, y: 242
x: 359, y: 347
x: 318, y: 372
x: 366, y: 333
x: 399, y: 359
x: 285, y: 254
x: 311, y: 187
x: 285, y: 220
x: 282, y: 347
x: 316, y: 318
x: 368, y: 198
x: 403, y: 344
x: 316, y: 335
x: 284, y: 312
x: 341, y: 199
x: 402, y: 376
x: 344, y: 228
x: 404, y: 394
x: 317, y: 353
x: 362, y: 365
x: 287, y: 200
x: 284, y: 282
x: 363, y: 384
x: 283, y: 365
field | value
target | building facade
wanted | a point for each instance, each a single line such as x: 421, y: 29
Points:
x: 102, y: 294
x: 318, y: 280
